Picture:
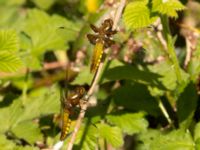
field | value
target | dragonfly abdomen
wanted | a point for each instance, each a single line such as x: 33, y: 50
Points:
x: 97, y: 56
x: 66, y: 123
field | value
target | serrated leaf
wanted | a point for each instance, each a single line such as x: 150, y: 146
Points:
x: 112, y: 135
x: 29, y: 131
x: 8, y: 40
x: 137, y: 15
x: 168, y: 7
x: 175, y: 140
x: 186, y: 105
x: 130, y: 123
x: 9, y: 62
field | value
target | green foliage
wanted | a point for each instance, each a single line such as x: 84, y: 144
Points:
x: 9, y: 44
x: 175, y: 140
x: 137, y: 15
x: 194, y: 64
x: 44, y: 4
x: 187, y: 104
x: 8, y: 41
x: 130, y: 123
x: 89, y: 142
x: 112, y: 135
x: 168, y: 7
x: 146, y: 98
x: 43, y: 30
x: 9, y: 62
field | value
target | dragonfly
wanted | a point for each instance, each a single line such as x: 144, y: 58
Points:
x: 101, y: 39
x: 69, y: 103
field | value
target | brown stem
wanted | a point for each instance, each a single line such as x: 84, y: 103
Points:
x: 94, y: 82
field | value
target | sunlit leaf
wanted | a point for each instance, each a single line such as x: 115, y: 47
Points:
x: 44, y: 4
x: 29, y: 131
x: 9, y: 62
x: 43, y: 30
x: 175, y: 140
x: 89, y: 141
x: 194, y: 64
x: 137, y: 15
x: 130, y: 123
x: 168, y: 7
x: 8, y: 40
x: 112, y: 135
x: 5, y: 143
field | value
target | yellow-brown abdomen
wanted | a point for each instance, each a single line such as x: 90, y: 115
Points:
x: 66, y: 123
x: 97, y: 55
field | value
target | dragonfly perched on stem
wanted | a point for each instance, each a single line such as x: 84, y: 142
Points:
x: 101, y: 39
x: 69, y: 103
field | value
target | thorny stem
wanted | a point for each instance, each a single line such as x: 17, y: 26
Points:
x: 94, y: 82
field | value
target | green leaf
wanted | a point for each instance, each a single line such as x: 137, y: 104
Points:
x: 197, y: 144
x: 43, y: 30
x: 14, y: 2
x: 86, y: 138
x: 112, y: 135
x: 194, y: 64
x: 186, y: 105
x: 197, y: 131
x: 12, y: 114
x: 29, y: 131
x: 5, y: 143
x: 46, y: 100
x: 168, y: 7
x: 166, y: 70
x: 44, y: 4
x: 8, y: 41
x: 128, y: 72
x: 144, y: 139
x: 136, y: 97
x: 175, y: 140
x: 130, y: 123
x: 137, y: 15
x: 84, y: 77
x: 9, y: 62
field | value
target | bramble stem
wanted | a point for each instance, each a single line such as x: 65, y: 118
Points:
x: 94, y: 82
x: 170, y: 47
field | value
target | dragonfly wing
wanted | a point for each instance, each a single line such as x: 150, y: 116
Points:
x: 94, y: 28
x: 97, y: 55
x: 92, y: 38
x: 108, y: 42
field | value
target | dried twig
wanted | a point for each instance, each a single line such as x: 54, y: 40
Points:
x: 94, y: 82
